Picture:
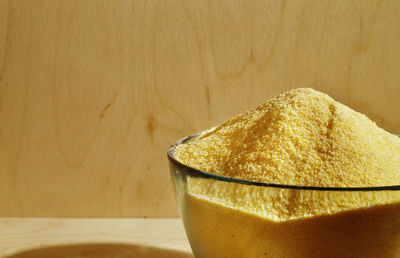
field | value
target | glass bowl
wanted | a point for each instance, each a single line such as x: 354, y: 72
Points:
x: 228, y: 217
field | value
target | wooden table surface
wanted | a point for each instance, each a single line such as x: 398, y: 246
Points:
x: 48, y: 237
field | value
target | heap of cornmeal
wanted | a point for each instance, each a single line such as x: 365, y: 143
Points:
x: 301, y: 137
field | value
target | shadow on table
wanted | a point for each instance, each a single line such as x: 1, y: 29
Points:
x: 100, y: 251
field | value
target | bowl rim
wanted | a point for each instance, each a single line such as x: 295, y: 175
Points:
x: 194, y: 172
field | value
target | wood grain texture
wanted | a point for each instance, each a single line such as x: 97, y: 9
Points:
x: 93, y: 238
x: 92, y: 93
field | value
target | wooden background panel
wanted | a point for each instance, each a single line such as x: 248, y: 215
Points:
x: 92, y: 93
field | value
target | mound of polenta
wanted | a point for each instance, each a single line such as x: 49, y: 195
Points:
x: 301, y: 137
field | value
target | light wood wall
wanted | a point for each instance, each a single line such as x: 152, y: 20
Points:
x: 92, y: 93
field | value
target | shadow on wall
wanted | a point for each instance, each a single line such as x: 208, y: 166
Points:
x: 100, y: 251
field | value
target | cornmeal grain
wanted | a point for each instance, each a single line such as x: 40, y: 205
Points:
x: 301, y: 137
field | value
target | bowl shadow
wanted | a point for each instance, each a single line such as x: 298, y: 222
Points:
x: 100, y: 250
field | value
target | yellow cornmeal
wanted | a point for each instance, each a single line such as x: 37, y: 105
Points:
x: 279, y: 205
x: 301, y: 137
